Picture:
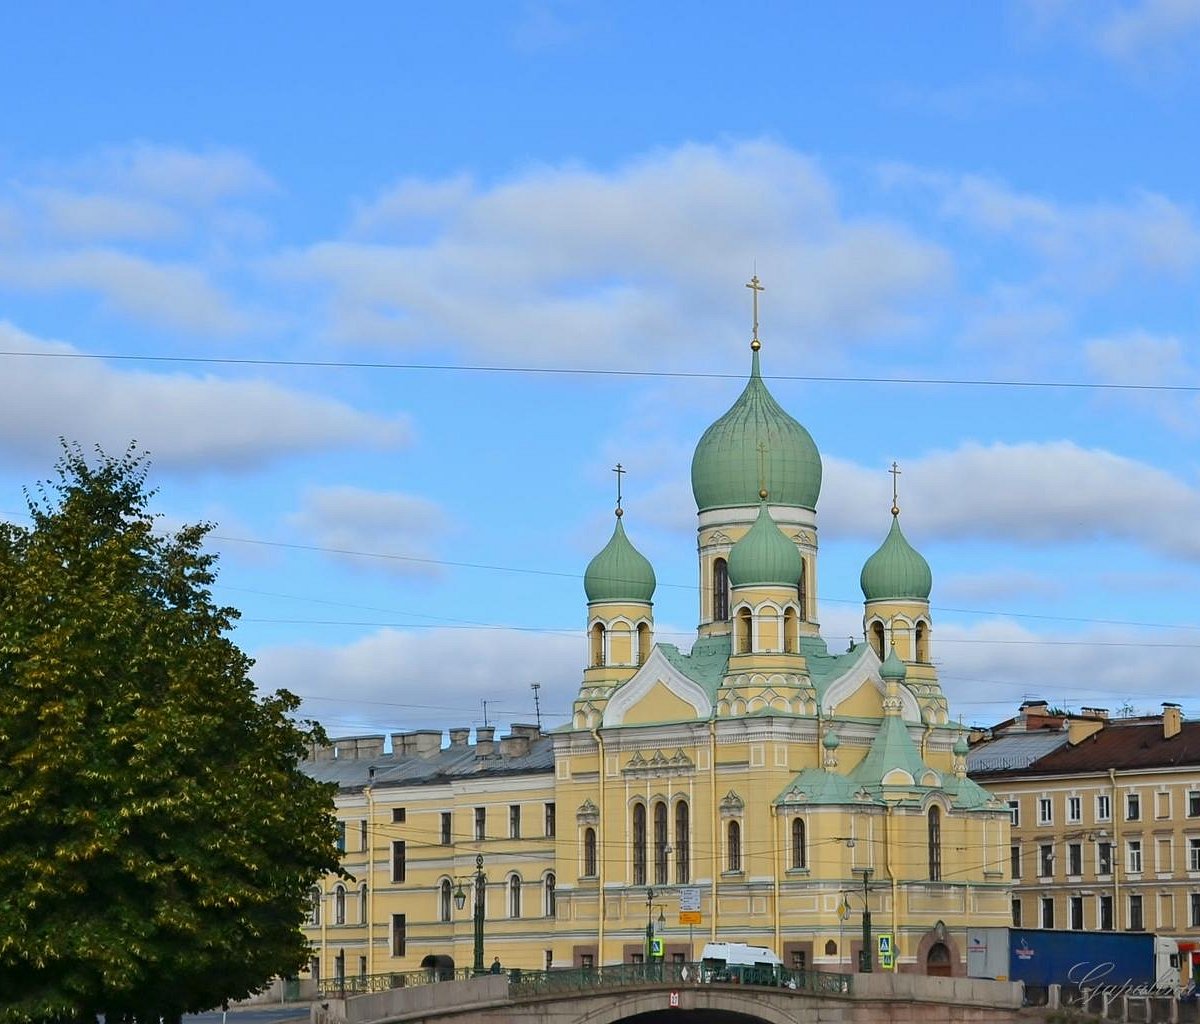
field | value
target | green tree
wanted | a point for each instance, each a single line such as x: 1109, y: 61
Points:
x: 157, y: 839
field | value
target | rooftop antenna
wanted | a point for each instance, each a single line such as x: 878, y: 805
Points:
x: 537, y: 707
x: 485, y: 717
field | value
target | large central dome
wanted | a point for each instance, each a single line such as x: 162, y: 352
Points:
x: 725, y: 468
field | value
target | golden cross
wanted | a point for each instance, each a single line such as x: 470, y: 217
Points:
x: 895, y: 471
x: 620, y: 471
x: 762, y: 476
x: 755, y: 287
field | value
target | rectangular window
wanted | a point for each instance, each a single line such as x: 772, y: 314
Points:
x: 362, y: 966
x: 1074, y: 809
x: 447, y: 834
x: 341, y: 837
x: 799, y: 960
x: 1162, y: 855
x: 1133, y: 857
x: 1015, y: 853
x: 1106, y: 915
x: 1014, y: 812
x: 1103, y: 807
x: 1016, y: 912
x: 362, y: 834
x: 1194, y: 804
x: 1162, y: 805
x: 1104, y: 858
x: 587, y: 961
x: 637, y: 958
x: 551, y: 824
x: 1077, y: 912
x: 1136, y: 924
x: 399, y: 814
x: 1047, y: 911
x: 398, y: 865
x: 399, y: 934
x: 480, y: 823
x: 514, y: 821
x: 1133, y: 807
x: 1193, y: 854
x: 1075, y: 859
x: 1046, y: 861
x: 1045, y: 811
x: 1194, y: 909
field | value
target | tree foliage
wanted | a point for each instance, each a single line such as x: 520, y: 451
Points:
x: 157, y: 840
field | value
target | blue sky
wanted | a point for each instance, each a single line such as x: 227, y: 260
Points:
x: 375, y: 225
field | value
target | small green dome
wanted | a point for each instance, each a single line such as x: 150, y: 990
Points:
x: 764, y: 556
x: 831, y: 741
x: 620, y: 572
x: 896, y: 570
x: 961, y: 747
x: 892, y: 667
x: 725, y: 466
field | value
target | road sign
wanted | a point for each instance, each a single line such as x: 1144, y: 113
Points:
x: 886, y: 951
x: 843, y: 909
x: 689, y: 898
x: 656, y: 949
x: 673, y: 1001
x: 689, y: 917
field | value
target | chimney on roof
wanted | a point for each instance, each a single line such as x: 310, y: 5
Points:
x: 1094, y: 713
x: 516, y: 745
x: 1172, y: 719
x: 525, y: 729
x: 1080, y: 727
x: 428, y: 742
x: 485, y: 744
x: 458, y: 737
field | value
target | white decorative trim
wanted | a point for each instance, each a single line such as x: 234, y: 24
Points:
x: 866, y: 668
x: 655, y: 670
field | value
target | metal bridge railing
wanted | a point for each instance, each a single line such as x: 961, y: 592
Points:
x: 360, y: 984
x: 589, y: 979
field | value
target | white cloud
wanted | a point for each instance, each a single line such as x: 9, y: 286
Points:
x: 573, y: 263
x: 355, y: 519
x: 1032, y: 493
x: 96, y: 215
x: 1140, y: 29
x: 436, y: 678
x: 181, y: 175
x: 1143, y: 358
x: 181, y: 420
x: 1000, y: 585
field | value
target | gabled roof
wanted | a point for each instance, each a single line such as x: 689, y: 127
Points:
x: 705, y: 664
x: 1013, y: 752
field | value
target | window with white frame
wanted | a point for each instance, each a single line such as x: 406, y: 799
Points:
x: 1104, y: 858
x: 1075, y: 858
x: 1046, y: 860
x: 1193, y: 853
x: 1162, y: 854
x: 1162, y: 805
x: 1194, y: 909
x: 1136, y: 920
x: 1105, y: 913
x: 1133, y: 856
x: 1016, y: 911
x: 1045, y: 810
x: 1015, y: 854
x: 339, y: 905
x: 514, y: 896
x: 1074, y: 809
x: 1014, y: 812
x: 1103, y: 807
x: 1133, y: 807
x: 1047, y: 911
x: 1077, y: 912
x: 1194, y: 803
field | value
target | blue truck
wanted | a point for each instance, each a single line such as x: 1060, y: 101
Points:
x: 1134, y: 962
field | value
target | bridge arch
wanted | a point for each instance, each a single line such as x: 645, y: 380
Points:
x: 716, y: 1006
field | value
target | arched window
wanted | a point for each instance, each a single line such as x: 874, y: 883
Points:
x: 877, y: 639
x: 682, y: 843
x: 514, y: 896
x: 444, y: 900
x: 791, y: 632
x: 660, y: 843
x: 734, y: 847
x: 639, y: 844
x: 745, y: 631
x: 362, y: 904
x: 831, y: 948
x: 314, y: 906
x: 799, y: 844
x: 339, y: 905
x: 720, y: 594
x: 551, y: 903
x: 935, y: 844
x: 922, y: 652
x: 643, y: 638
x: 589, y: 852
x: 802, y: 590
x: 597, y: 645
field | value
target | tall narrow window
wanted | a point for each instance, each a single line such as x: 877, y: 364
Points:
x: 877, y: 639
x: 341, y: 837
x: 339, y: 905
x: 597, y: 645
x: 643, y: 639
x: 362, y: 904
x: 1016, y: 912
x: 922, y: 643
x: 1047, y: 911
x: 314, y: 906
x: 514, y: 896
x: 1136, y: 921
x: 802, y: 590
x: 551, y: 899
x: 446, y: 819
x: 639, y: 844
x: 1106, y: 913
x: 935, y: 844
x: 660, y: 843
x: 550, y: 821
x: 734, y: 846
x: 480, y: 823
x: 720, y: 595
x: 589, y: 852
x: 799, y: 844
x: 791, y: 632
x: 1075, y: 859
x: 682, y: 843
x: 1076, y: 906
x: 444, y: 897
x: 399, y: 934
x: 514, y: 821
x: 745, y: 631
x: 398, y: 860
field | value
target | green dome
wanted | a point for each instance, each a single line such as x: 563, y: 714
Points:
x: 725, y: 467
x: 961, y: 747
x: 892, y: 667
x: 831, y: 741
x: 896, y: 571
x: 764, y: 556
x: 620, y: 572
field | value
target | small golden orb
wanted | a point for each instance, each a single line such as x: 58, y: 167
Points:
x: 762, y: 493
x: 755, y: 345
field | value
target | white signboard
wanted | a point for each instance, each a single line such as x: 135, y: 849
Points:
x: 689, y: 898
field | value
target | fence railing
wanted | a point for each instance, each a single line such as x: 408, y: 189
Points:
x: 360, y: 984
x: 586, y: 979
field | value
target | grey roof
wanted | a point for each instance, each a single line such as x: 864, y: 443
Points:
x: 448, y: 764
x: 1013, y: 752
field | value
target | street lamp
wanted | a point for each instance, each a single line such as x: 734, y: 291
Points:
x: 864, y: 955
x: 460, y: 901
x: 662, y: 923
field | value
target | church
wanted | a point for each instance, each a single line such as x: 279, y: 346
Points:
x: 756, y: 788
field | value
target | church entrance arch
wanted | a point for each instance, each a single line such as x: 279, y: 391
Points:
x: 937, y: 961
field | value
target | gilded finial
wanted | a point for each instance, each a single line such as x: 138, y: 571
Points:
x: 895, y: 471
x: 755, y: 287
x: 620, y: 471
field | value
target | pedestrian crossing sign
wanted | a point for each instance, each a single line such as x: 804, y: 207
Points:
x: 656, y: 948
x: 886, y: 952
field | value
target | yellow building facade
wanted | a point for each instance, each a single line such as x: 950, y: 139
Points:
x: 757, y: 788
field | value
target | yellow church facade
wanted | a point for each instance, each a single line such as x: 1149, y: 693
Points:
x: 757, y: 788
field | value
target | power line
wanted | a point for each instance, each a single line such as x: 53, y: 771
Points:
x: 342, y: 364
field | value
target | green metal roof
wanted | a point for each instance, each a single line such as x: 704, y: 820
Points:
x: 896, y: 570
x: 705, y: 665
x: 764, y: 555
x: 619, y: 572
x: 728, y: 469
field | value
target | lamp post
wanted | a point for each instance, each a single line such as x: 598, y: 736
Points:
x: 662, y: 922
x: 460, y: 901
x: 865, y: 960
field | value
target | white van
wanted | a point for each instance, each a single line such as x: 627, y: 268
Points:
x: 737, y: 962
